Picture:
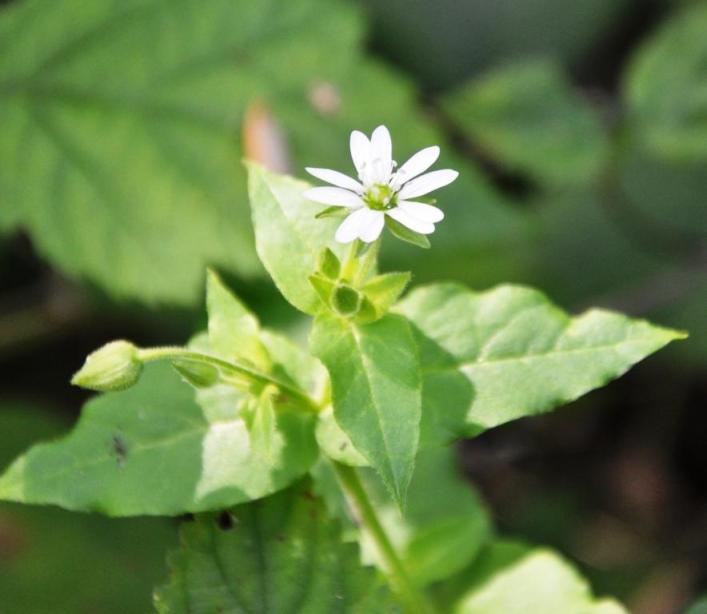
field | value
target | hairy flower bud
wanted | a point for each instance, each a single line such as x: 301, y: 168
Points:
x: 115, y: 366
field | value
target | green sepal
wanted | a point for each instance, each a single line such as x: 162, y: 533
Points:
x: 323, y: 286
x: 328, y: 264
x: 333, y: 211
x: 199, y: 375
x: 384, y: 290
x: 405, y: 234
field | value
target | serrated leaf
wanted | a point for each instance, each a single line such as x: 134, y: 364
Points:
x: 520, y: 353
x: 153, y: 450
x: 527, y: 117
x: 234, y: 331
x: 119, y: 144
x: 444, y: 524
x: 376, y: 391
x: 287, y: 237
x: 278, y: 555
x: 513, y: 578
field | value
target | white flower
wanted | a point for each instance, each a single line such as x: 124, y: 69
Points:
x: 381, y: 190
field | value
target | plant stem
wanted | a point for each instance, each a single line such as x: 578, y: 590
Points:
x: 414, y: 600
x: 179, y: 353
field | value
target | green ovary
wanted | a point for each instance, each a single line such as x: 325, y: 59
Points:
x: 380, y: 197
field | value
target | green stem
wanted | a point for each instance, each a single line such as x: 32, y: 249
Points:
x: 414, y: 600
x: 179, y: 353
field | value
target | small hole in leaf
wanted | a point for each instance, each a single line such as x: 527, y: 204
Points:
x: 226, y: 521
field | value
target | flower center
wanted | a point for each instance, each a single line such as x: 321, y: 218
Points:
x: 380, y: 197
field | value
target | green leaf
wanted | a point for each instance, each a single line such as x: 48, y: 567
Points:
x: 444, y: 524
x: 333, y: 211
x: 287, y: 237
x: 515, y: 579
x: 36, y: 542
x: 234, y: 332
x: 119, y: 128
x: 278, y: 555
x: 335, y: 443
x: 405, y: 234
x: 376, y: 391
x: 153, y: 450
x: 664, y: 152
x: 263, y: 430
x: 666, y: 88
x: 699, y: 607
x: 521, y: 354
x: 527, y: 116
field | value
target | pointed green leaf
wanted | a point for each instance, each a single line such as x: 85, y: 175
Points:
x: 234, y: 332
x: 153, y: 450
x: 263, y: 430
x: 405, y: 234
x: 287, y: 236
x: 278, y: 555
x: 376, y: 391
x: 444, y: 524
x: 521, y: 354
x: 333, y: 211
x: 528, y: 118
x: 516, y: 579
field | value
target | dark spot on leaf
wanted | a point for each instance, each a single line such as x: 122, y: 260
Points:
x: 307, y: 494
x: 343, y: 446
x: 281, y: 538
x: 120, y: 450
x: 226, y: 521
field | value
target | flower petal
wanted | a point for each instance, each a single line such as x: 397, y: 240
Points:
x: 398, y: 214
x: 427, y: 183
x: 381, y: 154
x: 418, y: 163
x: 360, y: 153
x: 422, y: 211
x: 335, y: 178
x: 350, y: 228
x: 371, y: 229
x: 334, y: 196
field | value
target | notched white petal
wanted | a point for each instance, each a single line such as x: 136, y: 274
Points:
x: 350, y: 228
x: 334, y: 196
x: 424, y: 228
x: 335, y: 178
x: 360, y: 151
x: 427, y: 183
x: 418, y: 163
x: 381, y: 154
x: 422, y: 211
x: 371, y: 229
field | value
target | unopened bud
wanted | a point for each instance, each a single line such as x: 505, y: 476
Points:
x: 115, y: 366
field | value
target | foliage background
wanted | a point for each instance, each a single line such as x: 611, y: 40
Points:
x: 581, y: 133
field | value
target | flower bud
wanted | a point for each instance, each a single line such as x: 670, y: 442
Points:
x: 115, y: 366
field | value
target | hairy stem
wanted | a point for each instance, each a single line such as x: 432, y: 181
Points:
x: 225, y: 366
x: 414, y: 600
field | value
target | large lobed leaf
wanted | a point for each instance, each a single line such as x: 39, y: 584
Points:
x: 119, y: 125
x: 520, y: 354
x: 280, y: 555
x: 376, y: 391
x: 153, y: 450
